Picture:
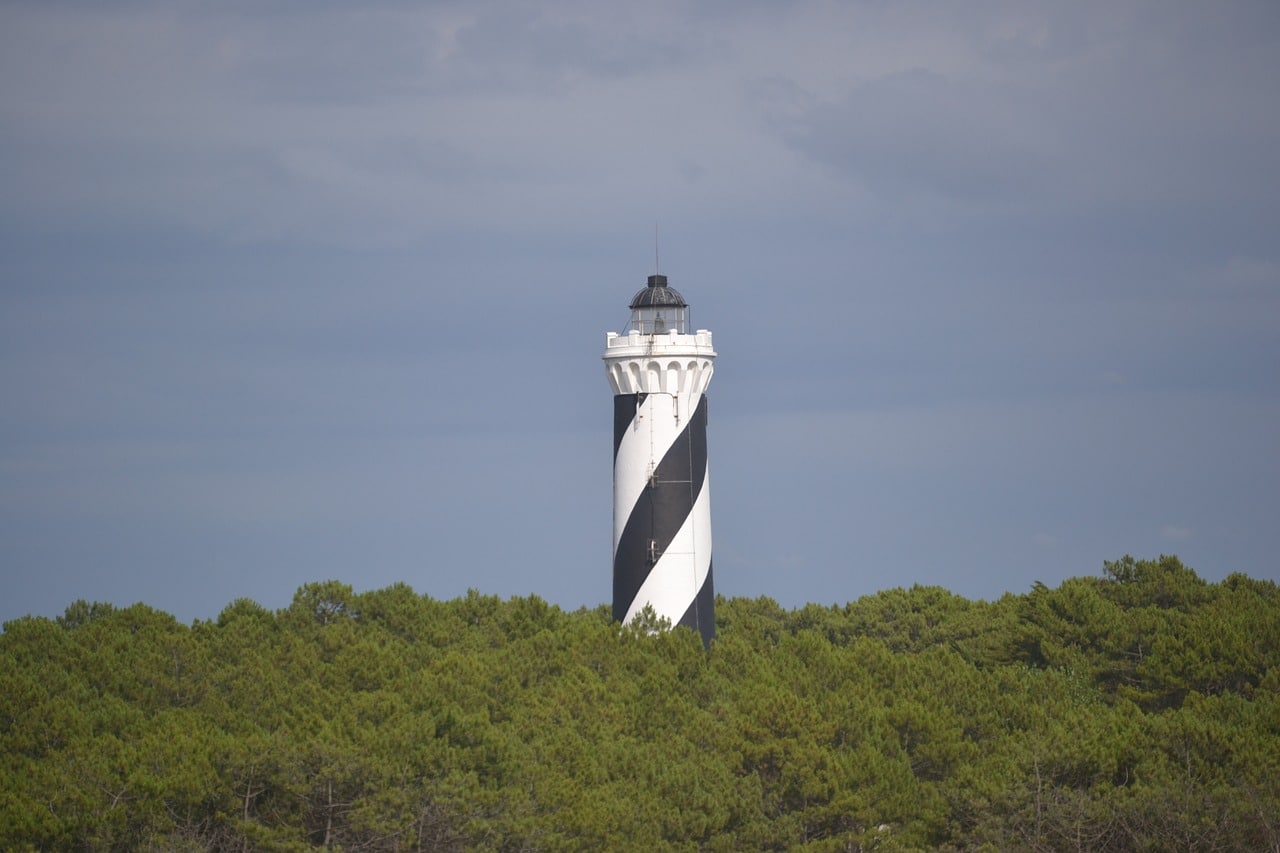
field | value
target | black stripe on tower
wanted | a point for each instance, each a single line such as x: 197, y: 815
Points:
x: 660, y: 512
x: 701, y: 615
x: 625, y: 407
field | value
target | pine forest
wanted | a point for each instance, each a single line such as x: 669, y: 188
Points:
x: 1138, y: 709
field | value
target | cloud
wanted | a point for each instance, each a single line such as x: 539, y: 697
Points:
x: 1123, y: 106
x: 1245, y: 276
x: 381, y: 125
x: 918, y: 131
x: 531, y: 50
x: 376, y: 126
x: 979, y: 274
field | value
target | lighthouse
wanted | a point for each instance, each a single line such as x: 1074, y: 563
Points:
x: 659, y: 372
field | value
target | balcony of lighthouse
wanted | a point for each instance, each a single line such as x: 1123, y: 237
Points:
x: 673, y: 363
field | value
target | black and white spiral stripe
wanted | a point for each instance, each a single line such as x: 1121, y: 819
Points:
x: 662, y: 510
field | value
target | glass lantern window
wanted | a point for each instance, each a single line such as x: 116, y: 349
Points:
x: 659, y: 320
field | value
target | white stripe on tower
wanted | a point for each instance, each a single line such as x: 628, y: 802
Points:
x: 633, y: 459
x: 669, y: 586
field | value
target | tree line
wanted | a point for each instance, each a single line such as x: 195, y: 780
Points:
x: 1134, y: 710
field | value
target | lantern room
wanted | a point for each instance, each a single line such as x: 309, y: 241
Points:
x: 658, y: 309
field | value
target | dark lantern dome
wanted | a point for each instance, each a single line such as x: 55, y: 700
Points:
x: 658, y: 309
x: 658, y: 295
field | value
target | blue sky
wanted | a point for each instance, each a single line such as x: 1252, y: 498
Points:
x: 296, y: 291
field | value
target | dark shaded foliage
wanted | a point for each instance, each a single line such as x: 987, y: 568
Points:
x: 1138, y: 710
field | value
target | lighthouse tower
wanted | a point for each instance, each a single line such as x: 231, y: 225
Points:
x: 661, y: 492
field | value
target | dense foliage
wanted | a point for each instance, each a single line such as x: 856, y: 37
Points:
x: 1135, y: 710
